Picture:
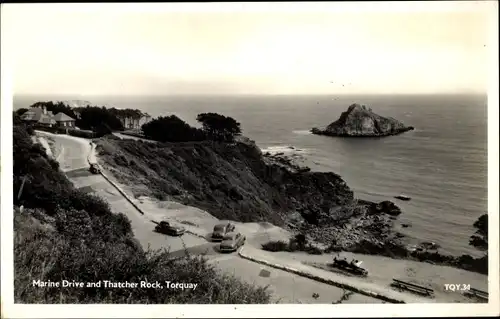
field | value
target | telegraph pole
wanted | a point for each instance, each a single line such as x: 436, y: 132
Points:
x: 21, y: 188
x: 21, y: 192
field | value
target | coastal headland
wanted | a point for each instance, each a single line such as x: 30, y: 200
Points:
x: 205, y: 176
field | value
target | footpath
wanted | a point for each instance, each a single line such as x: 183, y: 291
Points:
x: 349, y: 283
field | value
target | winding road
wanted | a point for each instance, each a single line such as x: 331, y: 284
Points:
x: 285, y: 287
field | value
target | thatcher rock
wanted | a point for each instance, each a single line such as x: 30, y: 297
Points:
x: 360, y: 121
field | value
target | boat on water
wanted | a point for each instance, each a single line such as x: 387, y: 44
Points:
x: 403, y: 197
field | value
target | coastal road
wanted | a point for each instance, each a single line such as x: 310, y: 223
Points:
x: 285, y: 287
x: 74, y: 164
x: 75, y: 155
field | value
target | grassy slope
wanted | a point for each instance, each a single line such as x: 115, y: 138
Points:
x: 234, y: 181
x: 230, y: 181
x: 63, y: 234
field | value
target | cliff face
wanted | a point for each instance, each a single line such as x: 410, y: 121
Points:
x: 231, y: 181
x: 235, y: 181
x: 359, y: 121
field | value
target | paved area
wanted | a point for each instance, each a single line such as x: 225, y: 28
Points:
x: 352, y: 281
x: 382, y: 270
x: 286, y: 287
x: 74, y: 151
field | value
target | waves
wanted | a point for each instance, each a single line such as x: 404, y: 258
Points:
x: 302, y: 132
x: 284, y: 150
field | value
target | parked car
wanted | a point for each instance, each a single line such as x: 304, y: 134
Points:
x: 232, y: 241
x: 221, y: 230
x: 168, y: 229
x: 353, y: 267
x: 94, y: 169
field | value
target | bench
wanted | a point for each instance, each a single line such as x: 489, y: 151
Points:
x: 477, y: 294
x: 412, y: 287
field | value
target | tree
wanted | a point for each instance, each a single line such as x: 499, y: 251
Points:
x: 16, y: 118
x: 480, y: 238
x: 171, y: 129
x: 21, y: 111
x: 98, y: 119
x: 219, y: 127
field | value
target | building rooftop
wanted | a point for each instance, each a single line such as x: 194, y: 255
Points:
x: 62, y: 117
x: 35, y: 114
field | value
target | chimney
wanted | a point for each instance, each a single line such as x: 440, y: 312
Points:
x: 44, y: 110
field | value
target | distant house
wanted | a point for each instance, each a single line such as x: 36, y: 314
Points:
x: 134, y: 123
x: 64, y: 120
x: 41, y: 116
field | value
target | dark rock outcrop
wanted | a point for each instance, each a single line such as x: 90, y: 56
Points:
x: 360, y: 121
x: 385, y: 207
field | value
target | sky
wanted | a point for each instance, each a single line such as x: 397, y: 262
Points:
x: 283, y: 48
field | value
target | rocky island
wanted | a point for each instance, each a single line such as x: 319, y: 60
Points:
x: 360, y: 121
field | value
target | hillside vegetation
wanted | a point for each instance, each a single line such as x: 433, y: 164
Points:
x: 64, y: 234
x: 230, y: 180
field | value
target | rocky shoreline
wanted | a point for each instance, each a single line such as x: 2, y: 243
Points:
x: 236, y: 181
x: 368, y: 228
x: 325, y: 132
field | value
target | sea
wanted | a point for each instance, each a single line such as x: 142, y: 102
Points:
x: 441, y: 165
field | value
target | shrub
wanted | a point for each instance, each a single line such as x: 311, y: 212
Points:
x: 98, y: 119
x: 313, y: 250
x: 160, y: 195
x: 20, y: 111
x: 275, y: 246
x: 467, y: 262
x: 333, y: 248
x: 171, y: 129
x: 480, y: 238
x: 219, y: 127
x: 301, y: 240
x: 16, y: 118
x: 81, y: 133
x: 121, y: 160
x: 291, y: 246
x: 53, y: 130
x: 30, y: 130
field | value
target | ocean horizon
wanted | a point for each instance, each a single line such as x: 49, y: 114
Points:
x: 441, y: 165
